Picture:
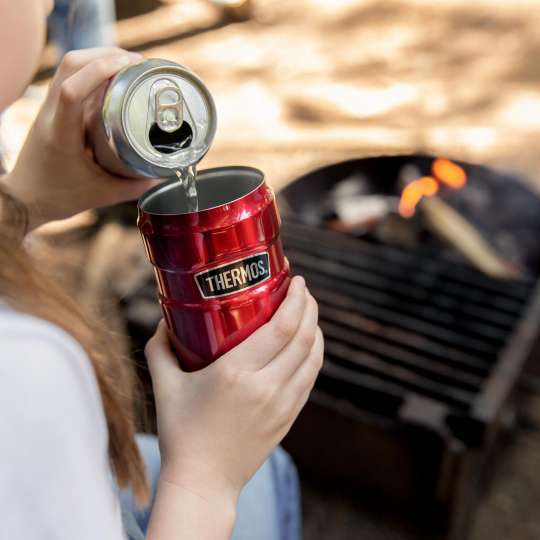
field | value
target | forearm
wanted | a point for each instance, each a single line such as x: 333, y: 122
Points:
x: 179, y: 513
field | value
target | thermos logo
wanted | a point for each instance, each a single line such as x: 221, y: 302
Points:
x: 235, y: 276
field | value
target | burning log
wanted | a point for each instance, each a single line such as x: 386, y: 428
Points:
x: 448, y: 224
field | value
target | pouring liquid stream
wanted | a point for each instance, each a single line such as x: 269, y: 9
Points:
x: 187, y: 177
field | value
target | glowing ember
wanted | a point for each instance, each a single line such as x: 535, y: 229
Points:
x: 449, y: 173
x: 444, y: 172
x: 426, y: 186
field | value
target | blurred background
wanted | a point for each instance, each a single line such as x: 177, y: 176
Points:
x: 305, y: 83
x: 308, y: 82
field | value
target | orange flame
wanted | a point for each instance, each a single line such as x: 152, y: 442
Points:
x: 412, y: 194
x: 444, y: 172
x: 449, y: 173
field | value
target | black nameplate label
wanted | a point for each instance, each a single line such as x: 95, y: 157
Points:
x: 234, y: 277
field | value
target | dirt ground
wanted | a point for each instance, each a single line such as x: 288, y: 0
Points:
x: 308, y: 82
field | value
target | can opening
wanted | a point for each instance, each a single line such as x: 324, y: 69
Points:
x: 215, y: 187
x: 168, y: 143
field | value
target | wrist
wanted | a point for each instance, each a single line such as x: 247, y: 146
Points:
x: 180, y: 512
x: 221, y: 501
x: 201, y: 482
x: 15, y: 187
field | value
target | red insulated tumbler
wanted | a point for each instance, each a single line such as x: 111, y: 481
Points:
x: 221, y: 271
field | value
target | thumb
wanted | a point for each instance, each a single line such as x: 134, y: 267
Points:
x: 128, y: 189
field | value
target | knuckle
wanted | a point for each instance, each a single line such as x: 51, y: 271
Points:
x: 148, y: 348
x: 113, y: 50
x: 285, y: 328
x: 318, y: 362
x: 315, y: 306
x: 318, y: 353
x: 71, y: 60
x: 152, y: 346
x: 307, y: 385
x: 285, y: 416
x: 230, y: 375
x: 312, y: 372
x: 307, y: 339
x: 102, y: 67
x: 67, y: 94
x: 267, y: 394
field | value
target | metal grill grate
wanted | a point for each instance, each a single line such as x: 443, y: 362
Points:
x: 404, y: 320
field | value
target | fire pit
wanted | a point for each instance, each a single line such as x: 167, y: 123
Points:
x: 423, y: 351
x: 411, y: 200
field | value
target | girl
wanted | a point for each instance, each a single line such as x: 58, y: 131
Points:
x: 66, y: 423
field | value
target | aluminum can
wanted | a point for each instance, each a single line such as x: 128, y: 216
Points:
x: 154, y: 118
x: 221, y: 271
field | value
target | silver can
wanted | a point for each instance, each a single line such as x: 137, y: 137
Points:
x: 156, y: 117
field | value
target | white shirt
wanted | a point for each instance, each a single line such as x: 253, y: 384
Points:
x: 55, y: 479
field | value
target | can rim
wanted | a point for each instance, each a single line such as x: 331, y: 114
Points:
x: 144, y: 199
x: 115, y: 108
x: 182, y: 72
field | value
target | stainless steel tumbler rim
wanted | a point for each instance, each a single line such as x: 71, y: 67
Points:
x: 151, y: 202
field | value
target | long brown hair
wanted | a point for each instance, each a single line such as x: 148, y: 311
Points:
x: 25, y: 288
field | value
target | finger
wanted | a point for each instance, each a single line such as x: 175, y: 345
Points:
x: 115, y: 189
x: 294, y: 413
x: 297, y: 393
x: 159, y: 356
x: 300, y: 385
x: 68, y: 127
x: 285, y: 364
x: 74, y: 61
x: 268, y: 340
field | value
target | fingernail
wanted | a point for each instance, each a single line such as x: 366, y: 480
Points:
x: 136, y: 55
x: 122, y: 60
x: 299, y: 282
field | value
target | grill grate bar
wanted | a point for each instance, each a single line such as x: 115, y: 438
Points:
x: 369, y: 391
x: 492, y: 307
x: 453, y: 272
x: 404, y: 339
x: 402, y: 315
x: 388, y: 293
x: 424, y: 286
x: 368, y: 363
x: 392, y: 355
x: 322, y: 291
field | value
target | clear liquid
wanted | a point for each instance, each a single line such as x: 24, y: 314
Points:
x: 187, y: 177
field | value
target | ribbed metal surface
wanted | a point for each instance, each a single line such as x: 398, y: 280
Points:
x: 404, y: 320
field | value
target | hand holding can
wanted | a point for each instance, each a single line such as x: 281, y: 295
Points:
x: 219, y: 424
x: 55, y: 175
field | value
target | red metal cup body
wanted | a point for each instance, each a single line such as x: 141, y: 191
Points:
x: 221, y: 272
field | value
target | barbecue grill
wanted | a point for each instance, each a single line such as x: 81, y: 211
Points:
x: 423, y: 355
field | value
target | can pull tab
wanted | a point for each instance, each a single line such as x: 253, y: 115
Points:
x: 169, y: 110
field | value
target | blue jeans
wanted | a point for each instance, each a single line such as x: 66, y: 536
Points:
x: 268, y: 508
